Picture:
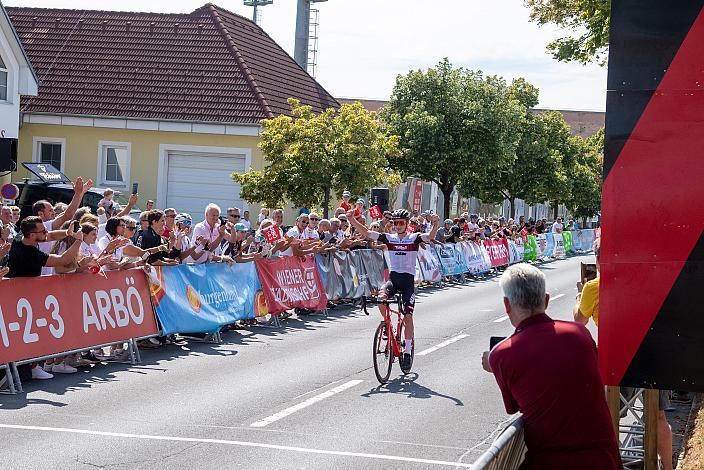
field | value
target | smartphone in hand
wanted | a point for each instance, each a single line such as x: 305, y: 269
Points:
x: 494, y: 340
x: 135, y: 186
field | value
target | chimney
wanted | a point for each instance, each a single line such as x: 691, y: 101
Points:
x: 105, y: 25
x: 151, y: 28
x: 127, y: 26
x: 200, y: 28
x: 176, y: 28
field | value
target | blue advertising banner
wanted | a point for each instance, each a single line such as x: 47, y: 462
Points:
x: 452, y: 259
x: 550, y: 247
x: 202, y: 298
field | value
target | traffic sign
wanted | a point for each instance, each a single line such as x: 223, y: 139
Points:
x: 10, y: 191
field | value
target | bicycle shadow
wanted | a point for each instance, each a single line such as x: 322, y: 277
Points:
x: 408, y: 385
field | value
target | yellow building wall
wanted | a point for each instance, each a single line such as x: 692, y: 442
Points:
x: 82, y: 151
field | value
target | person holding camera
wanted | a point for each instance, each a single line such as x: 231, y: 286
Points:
x: 547, y: 369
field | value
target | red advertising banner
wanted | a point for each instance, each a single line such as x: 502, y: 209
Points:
x: 418, y: 195
x: 46, y: 315
x: 291, y: 282
x: 498, y: 252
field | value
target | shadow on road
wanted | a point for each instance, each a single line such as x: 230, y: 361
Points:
x: 407, y: 385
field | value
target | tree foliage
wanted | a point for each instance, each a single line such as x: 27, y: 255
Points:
x: 586, y: 177
x: 589, y: 21
x: 452, y: 122
x: 543, y: 157
x: 309, y: 157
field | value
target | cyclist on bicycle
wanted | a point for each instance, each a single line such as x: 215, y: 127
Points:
x: 403, y: 251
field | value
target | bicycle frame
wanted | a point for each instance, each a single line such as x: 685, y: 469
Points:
x: 393, y: 333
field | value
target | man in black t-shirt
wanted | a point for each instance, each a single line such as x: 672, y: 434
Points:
x: 27, y: 260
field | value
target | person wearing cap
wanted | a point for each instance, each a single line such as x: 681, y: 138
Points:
x: 345, y: 203
x: 359, y: 210
x: 444, y: 232
x: 190, y: 252
x: 472, y: 225
x: 238, y: 244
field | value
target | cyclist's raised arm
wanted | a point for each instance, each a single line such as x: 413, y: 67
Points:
x: 434, y: 229
x: 361, y: 229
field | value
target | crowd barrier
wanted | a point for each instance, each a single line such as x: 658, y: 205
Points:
x: 507, y: 451
x: 52, y: 315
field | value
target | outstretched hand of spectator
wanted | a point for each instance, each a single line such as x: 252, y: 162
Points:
x: 133, y: 199
x: 5, y: 248
x: 4, y: 271
x: 81, y: 187
x: 78, y: 234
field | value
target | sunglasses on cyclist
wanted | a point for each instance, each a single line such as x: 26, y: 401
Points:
x: 399, y: 222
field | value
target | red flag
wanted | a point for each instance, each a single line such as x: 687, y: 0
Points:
x: 272, y: 233
x: 375, y: 212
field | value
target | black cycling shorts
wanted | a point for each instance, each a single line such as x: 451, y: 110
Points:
x: 406, y: 285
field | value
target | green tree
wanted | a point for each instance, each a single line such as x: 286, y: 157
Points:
x: 452, y: 121
x: 589, y: 19
x: 540, y: 172
x: 585, y: 177
x: 309, y: 157
x: 517, y: 178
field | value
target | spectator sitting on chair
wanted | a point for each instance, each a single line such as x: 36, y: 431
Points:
x: 548, y: 371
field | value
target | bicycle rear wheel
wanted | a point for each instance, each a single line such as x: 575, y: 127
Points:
x: 383, y: 355
x: 402, y: 341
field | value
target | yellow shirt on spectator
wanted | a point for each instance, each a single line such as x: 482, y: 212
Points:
x: 589, y: 303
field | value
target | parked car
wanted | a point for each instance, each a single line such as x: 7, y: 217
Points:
x: 33, y: 191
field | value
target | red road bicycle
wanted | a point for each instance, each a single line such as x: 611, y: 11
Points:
x: 388, y: 341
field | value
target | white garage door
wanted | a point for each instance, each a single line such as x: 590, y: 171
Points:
x: 196, y: 179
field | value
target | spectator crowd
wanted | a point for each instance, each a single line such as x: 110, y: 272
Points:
x: 67, y: 238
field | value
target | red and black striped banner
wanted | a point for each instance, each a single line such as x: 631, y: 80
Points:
x: 651, y: 329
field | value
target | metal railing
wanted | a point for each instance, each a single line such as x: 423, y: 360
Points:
x: 507, y: 451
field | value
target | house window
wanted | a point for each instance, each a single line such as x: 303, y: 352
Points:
x: 114, y: 164
x: 3, y: 81
x: 51, y: 150
x: 50, y: 153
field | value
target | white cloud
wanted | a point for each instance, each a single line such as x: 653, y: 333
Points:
x: 365, y: 44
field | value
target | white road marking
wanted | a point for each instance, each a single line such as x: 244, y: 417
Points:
x: 260, y: 445
x: 305, y: 404
x: 442, y: 345
x: 499, y: 320
x: 557, y: 296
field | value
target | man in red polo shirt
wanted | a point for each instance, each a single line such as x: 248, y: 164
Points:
x: 548, y: 371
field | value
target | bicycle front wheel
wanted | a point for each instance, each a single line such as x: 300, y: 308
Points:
x: 382, y: 353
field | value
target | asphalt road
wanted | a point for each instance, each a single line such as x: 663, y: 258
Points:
x: 302, y: 396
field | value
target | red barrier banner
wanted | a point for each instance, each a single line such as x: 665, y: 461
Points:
x: 47, y: 315
x: 498, y: 252
x: 291, y: 282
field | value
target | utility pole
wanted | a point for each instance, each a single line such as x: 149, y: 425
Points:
x: 301, y: 50
x: 254, y: 4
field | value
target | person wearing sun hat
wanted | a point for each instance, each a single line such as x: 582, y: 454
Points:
x: 345, y: 203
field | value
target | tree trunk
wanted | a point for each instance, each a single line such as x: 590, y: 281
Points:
x: 512, y: 203
x: 326, y: 202
x: 555, y: 210
x: 447, y: 196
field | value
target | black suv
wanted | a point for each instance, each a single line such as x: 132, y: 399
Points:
x: 33, y: 191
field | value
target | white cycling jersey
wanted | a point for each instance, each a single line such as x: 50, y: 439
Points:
x: 403, y: 251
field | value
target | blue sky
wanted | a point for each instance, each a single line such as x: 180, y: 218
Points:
x: 365, y: 44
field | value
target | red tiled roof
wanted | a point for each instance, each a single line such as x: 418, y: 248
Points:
x: 369, y: 105
x: 209, y: 65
